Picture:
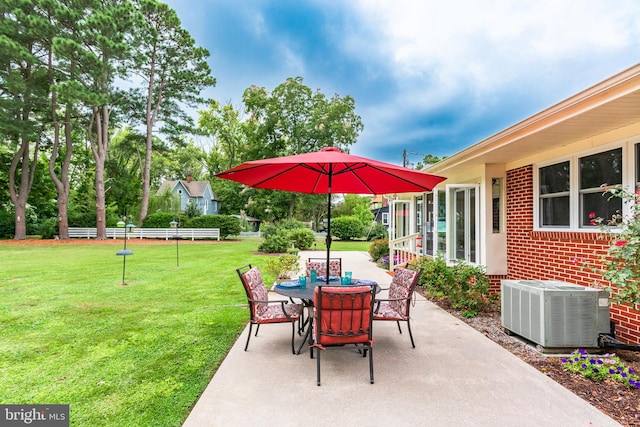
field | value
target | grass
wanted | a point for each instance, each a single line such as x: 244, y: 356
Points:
x: 134, y: 355
x: 344, y: 245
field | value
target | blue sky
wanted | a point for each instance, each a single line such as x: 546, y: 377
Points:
x: 427, y: 77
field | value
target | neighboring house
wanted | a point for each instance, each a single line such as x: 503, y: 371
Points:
x: 519, y: 202
x: 380, y: 209
x: 198, y: 191
x: 254, y: 223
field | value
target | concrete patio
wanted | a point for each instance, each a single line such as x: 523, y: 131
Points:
x: 454, y: 376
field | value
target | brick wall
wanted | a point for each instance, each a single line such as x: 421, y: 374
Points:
x: 555, y: 255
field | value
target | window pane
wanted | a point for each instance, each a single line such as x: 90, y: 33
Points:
x: 597, y: 205
x: 429, y: 236
x: 554, y: 178
x: 419, y: 205
x: 496, y: 191
x: 472, y: 225
x: 601, y: 168
x: 460, y: 225
x: 554, y: 211
x: 442, y: 222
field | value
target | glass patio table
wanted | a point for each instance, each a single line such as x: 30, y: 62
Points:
x: 291, y: 288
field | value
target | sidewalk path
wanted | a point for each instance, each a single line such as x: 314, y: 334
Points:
x: 454, y: 377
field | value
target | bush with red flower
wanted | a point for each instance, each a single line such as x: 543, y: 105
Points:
x: 621, y: 263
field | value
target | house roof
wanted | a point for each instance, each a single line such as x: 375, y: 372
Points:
x: 194, y: 188
x: 606, y: 106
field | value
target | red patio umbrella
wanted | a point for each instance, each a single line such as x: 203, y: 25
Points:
x: 328, y: 171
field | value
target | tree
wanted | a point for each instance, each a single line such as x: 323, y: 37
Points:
x: 23, y: 95
x: 429, y: 160
x: 223, y: 123
x: 292, y: 119
x: 63, y: 21
x: 175, y: 72
x: 100, y: 47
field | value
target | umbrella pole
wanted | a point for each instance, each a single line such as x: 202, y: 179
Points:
x: 329, y: 223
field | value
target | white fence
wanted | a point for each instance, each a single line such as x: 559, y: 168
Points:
x: 148, y: 233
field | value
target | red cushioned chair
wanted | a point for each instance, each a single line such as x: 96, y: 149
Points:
x: 320, y: 266
x: 396, y: 306
x: 343, y: 316
x: 261, y: 309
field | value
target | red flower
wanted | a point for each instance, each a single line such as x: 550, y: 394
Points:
x: 592, y: 215
x: 621, y: 242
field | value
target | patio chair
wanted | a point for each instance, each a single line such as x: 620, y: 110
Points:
x: 320, y: 266
x: 343, y: 316
x: 396, y: 306
x: 261, y: 309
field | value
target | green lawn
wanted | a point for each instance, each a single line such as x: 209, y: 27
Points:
x: 135, y: 355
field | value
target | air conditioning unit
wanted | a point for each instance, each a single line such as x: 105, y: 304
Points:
x: 555, y: 314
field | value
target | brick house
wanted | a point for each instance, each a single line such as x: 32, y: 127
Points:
x: 519, y: 202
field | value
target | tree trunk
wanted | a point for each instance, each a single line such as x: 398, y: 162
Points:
x: 20, y: 193
x: 99, y: 146
x: 151, y: 115
x: 61, y: 182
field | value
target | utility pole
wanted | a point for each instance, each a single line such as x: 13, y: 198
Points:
x: 405, y: 153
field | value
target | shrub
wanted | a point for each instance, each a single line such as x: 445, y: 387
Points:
x: 620, y: 265
x: 280, y: 236
x: 284, y: 266
x: 162, y: 220
x: 192, y: 210
x: 228, y: 225
x: 378, y: 249
x: 377, y: 232
x: 465, y: 286
x: 347, y: 228
x: 49, y: 228
x: 7, y: 224
x: 277, y: 241
x: 303, y: 238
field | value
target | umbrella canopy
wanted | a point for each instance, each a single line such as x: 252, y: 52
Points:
x: 328, y: 171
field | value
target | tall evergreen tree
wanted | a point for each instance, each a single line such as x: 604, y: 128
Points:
x: 23, y: 97
x: 100, y: 46
x: 174, y: 71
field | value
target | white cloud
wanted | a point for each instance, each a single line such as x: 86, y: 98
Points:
x: 470, y: 43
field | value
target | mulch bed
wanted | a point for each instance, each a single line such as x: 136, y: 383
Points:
x: 611, y: 397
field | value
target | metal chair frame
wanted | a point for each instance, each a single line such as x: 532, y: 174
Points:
x: 252, y: 310
x: 347, y: 318
x: 408, y: 300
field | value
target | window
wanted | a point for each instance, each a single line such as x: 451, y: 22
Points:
x: 385, y: 218
x: 463, y: 232
x: 569, y: 193
x: 429, y: 223
x: 496, y: 205
x: 401, y: 209
x: 596, y: 170
x: 554, y: 189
